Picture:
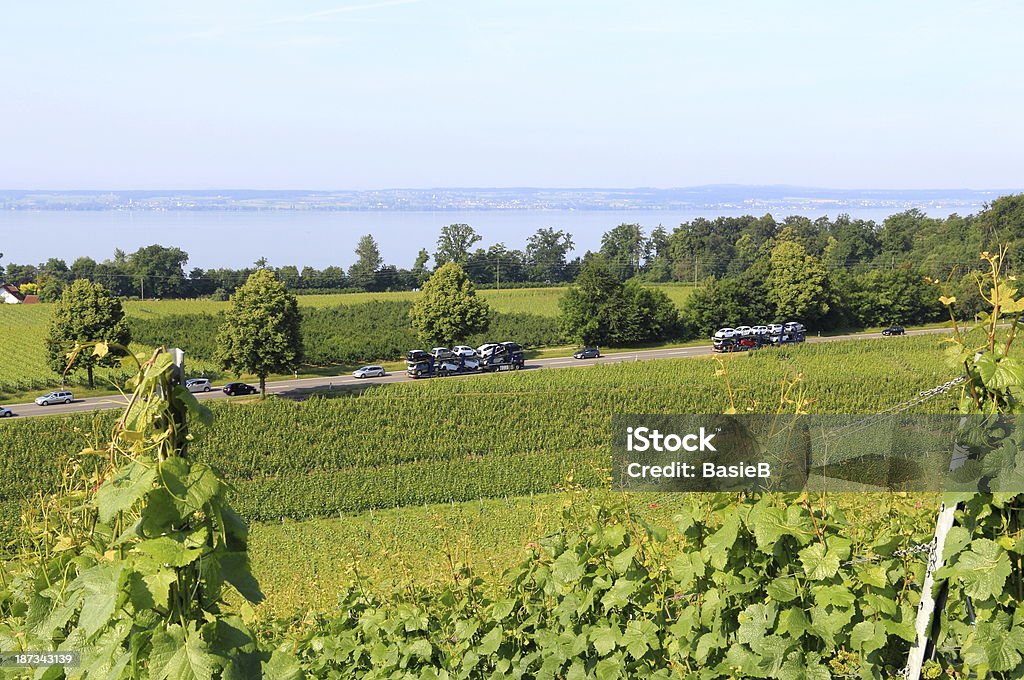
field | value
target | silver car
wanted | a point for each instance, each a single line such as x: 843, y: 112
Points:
x: 5, y: 412
x: 197, y: 384
x: 369, y: 372
x: 59, y: 397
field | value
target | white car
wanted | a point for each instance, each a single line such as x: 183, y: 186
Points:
x: 794, y: 327
x: 197, y: 384
x: 370, y: 372
x: 458, y: 365
x: 5, y: 412
x: 463, y: 351
x: 441, y: 352
x: 744, y: 331
x: 55, y: 398
x: 485, y: 349
x: 760, y: 330
x: 725, y: 333
x: 774, y: 329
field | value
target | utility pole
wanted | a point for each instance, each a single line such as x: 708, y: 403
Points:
x: 142, y: 287
x: 497, y: 273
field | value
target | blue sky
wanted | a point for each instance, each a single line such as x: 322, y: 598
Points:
x: 423, y: 93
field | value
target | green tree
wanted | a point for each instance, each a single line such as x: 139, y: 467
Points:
x: 599, y: 309
x: 797, y: 283
x: 546, y: 252
x: 261, y: 333
x: 624, y: 248
x: 454, y: 243
x: 158, y: 271
x: 362, y: 273
x: 86, y: 312
x: 419, y: 267
x: 449, y: 308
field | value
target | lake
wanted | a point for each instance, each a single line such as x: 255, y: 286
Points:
x: 321, y: 238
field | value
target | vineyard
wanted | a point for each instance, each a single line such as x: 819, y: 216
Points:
x: 460, y: 440
x: 452, y: 542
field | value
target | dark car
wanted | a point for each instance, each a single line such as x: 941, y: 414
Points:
x: 417, y: 355
x: 894, y: 330
x: 587, y: 353
x: 236, y: 388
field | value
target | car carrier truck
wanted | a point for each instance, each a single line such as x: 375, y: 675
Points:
x: 500, y: 356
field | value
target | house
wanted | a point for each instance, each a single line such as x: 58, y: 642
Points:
x: 9, y: 294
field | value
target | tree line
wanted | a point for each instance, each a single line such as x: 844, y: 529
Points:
x: 725, y: 248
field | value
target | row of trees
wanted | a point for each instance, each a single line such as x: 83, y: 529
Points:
x: 261, y: 333
x: 158, y: 271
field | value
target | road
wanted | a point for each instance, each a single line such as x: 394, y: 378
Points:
x: 298, y: 386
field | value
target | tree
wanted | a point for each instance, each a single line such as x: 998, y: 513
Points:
x: 797, y: 283
x: 368, y: 261
x: 454, y: 243
x: 497, y: 265
x: 546, y: 251
x: 599, y: 309
x: 261, y: 333
x: 624, y: 247
x: 83, y: 268
x: 449, y: 309
x: 419, y: 267
x: 159, y: 271
x: 86, y: 312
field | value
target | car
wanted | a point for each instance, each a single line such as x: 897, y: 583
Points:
x: 5, y: 412
x: 58, y: 397
x: 235, y: 389
x: 744, y: 331
x: 457, y: 365
x: 417, y: 355
x: 197, y: 384
x: 894, y: 330
x: 463, y: 351
x: 760, y: 330
x: 725, y: 333
x: 774, y: 329
x: 486, y: 348
x: 587, y: 353
x: 370, y: 372
x: 441, y: 353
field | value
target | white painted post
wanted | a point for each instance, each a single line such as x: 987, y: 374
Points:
x: 926, y: 610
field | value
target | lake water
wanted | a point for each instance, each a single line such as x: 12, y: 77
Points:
x: 318, y: 239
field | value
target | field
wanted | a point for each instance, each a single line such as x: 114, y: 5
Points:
x: 383, y: 501
x: 493, y: 436
x: 23, y: 368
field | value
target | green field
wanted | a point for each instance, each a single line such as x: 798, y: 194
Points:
x: 491, y: 436
x: 543, y: 301
x: 401, y: 490
x: 23, y: 368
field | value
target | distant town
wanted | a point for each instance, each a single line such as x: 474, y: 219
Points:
x: 756, y: 199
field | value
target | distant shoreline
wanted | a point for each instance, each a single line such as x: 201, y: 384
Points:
x: 757, y: 199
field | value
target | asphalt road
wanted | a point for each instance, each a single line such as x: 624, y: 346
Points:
x: 297, y: 387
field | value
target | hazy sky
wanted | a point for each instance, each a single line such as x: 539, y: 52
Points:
x: 423, y: 93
